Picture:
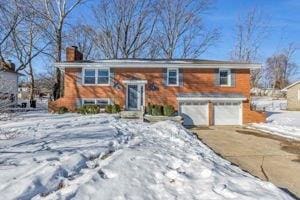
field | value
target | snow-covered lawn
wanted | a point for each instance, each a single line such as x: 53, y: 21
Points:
x: 279, y: 121
x: 102, y: 157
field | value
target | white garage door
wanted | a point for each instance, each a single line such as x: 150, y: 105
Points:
x: 194, y: 113
x: 227, y: 113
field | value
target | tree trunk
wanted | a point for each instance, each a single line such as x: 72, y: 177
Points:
x: 58, y: 59
x: 32, y: 83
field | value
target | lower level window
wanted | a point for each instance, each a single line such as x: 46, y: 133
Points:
x: 100, y: 102
x: 88, y: 102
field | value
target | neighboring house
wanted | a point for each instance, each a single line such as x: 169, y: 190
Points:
x: 205, y: 92
x: 8, y: 84
x: 293, y: 96
x: 23, y: 91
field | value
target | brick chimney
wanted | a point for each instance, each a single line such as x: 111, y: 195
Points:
x: 11, y: 65
x: 72, y: 54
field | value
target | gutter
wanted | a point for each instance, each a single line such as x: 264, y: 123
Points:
x: 211, y: 99
x: 150, y: 65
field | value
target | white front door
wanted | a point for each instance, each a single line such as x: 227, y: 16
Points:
x: 135, y: 96
x: 194, y: 113
x: 227, y: 113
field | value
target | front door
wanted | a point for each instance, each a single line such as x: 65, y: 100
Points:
x: 135, y: 96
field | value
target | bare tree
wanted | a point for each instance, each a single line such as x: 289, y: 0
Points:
x: 251, y: 30
x: 180, y: 31
x: 45, y: 80
x: 123, y: 28
x: 28, y: 43
x: 55, y: 13
x: 81, y: 35
x: 9, y: 19
x: 280, y: 67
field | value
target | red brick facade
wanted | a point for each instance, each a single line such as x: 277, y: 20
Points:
x: 194, y: 80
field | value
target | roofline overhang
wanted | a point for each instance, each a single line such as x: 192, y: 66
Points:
x: 135, y: 81
x: 289, y: 86
x: 211, y: 99
x: 11, y: 72
x: 63, y: 65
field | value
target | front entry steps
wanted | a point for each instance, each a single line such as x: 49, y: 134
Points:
x: 132, y: 114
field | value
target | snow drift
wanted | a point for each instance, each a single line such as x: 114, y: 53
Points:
x: 101, y: 157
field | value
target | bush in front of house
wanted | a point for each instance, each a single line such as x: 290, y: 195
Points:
x: 149, y: 108
x: 108, y: 108
x: 89, y: 109
x: 168, y: 110
x: 115, y: 108
x: 62, y: 110
x: 157, y: 110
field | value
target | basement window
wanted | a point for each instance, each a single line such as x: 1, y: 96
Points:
x: 100, y: 102
x: 88, y: 102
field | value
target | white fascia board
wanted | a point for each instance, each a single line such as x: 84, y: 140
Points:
x: 135, y: 81
x: 155, y: 65
x: 289, y: 86
x: 209, y: 99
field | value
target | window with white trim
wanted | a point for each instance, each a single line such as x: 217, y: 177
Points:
x: 173, y: 77
x: 224, y: 77
x: 88, y: 102
x: 103, y: 76
x: 96, y: 76
x: 89, y: 76
x: 100, y: 102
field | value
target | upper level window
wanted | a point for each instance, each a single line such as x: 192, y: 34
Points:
x: 172, y: 76
x: 225, y: 77
x: 103, y: 76
x: 89, y: 76
x: 99, y: 76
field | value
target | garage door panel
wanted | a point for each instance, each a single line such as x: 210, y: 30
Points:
x: 227, y: 113
x: 194, y: 113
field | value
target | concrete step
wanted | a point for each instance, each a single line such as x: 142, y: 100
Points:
x: 131, y: 114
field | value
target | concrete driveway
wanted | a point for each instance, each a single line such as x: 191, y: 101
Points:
x: 271, y: 158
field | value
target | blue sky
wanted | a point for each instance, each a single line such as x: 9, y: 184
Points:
x: 283, y: 18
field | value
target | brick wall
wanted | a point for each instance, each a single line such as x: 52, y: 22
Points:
x: 194, y: 80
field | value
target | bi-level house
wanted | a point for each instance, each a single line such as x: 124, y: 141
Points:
x: 204, y: 92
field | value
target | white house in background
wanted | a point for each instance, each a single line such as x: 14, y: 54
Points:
x: 8, y: 84
x: 293, y: 96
